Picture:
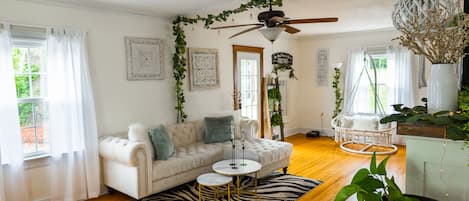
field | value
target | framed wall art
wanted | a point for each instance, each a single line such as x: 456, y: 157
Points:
x: 144, y: 58
x: 322, y: 76
x: 203, y: 69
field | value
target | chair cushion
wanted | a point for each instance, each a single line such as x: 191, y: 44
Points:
x: 365, y: 122
x: 187, y: 158
x: 218, y: 129
x: 162, y: 145
x: 182, y: 134
x: 139, y: 133
x: 263, y: 151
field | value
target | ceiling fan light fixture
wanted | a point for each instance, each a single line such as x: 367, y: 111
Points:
x: 271, y: 33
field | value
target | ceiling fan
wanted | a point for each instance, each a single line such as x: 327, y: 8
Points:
x: 273, y: 22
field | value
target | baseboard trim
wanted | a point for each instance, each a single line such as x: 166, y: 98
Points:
x: 324, y: 132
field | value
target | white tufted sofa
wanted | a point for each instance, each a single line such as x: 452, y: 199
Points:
x: 128, y: 166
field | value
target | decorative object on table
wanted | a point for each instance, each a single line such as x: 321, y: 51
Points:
x: 203, y: 69
x: 233, y: 147
x: 275, y: 187
x: 438, y: 30
x: 243, y: 147
x: 273, y: 22
x: 282, y: 63
x: 144, y: 58
x: 322, y: 69
x: 339, y: 99
x: 374, y: 184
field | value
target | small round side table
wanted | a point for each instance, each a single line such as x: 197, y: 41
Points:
x: 213, y: 180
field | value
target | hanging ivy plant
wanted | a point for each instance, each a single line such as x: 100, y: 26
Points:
x: 338, y: 93
x: 179, y: 59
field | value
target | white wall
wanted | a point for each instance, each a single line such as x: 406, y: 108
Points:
x: 201, y: 103
x: 321, y: 99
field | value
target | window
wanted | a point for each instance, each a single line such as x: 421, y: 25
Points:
x: 30, y: 78
x: 249, y: 77
x: 374, y: 74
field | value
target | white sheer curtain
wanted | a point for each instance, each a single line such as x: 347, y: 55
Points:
x: 400, y: 83
x: 352, y: 75
x: 12, y: 178
x: 73, y: 132
x: 401, y: 80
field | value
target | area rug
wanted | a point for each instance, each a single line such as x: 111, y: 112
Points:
x: 276, y: 187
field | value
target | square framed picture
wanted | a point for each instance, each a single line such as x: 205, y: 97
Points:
x: 203, y: 69
x: 144, y: 58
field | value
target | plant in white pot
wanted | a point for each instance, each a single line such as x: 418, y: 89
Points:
x: 437, y: 29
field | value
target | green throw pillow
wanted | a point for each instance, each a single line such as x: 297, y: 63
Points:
x: 161, y: 142
x: 217, y: 129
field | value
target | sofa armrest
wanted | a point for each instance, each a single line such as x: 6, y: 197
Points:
x: 250, y: 127
x: 121, y: 150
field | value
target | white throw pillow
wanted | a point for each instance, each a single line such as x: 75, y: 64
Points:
x: 139, y: 133
x: 346, y: 122
x: 365, y: 123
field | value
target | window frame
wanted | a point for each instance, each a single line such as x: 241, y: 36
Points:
x: 21, y: 42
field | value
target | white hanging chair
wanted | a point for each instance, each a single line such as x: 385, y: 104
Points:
x: 362, y: 133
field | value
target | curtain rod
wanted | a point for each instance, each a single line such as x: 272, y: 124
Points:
x: 45, y: 27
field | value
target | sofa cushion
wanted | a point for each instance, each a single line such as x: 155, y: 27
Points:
x: 182, y: 134
x: 187, y: 158
x: 218, y: 129
x: 139, y: 133
x: 162, y: 145
x: 263, y: 151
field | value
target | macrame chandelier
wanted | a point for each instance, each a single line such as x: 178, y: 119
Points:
x: 408, y: 11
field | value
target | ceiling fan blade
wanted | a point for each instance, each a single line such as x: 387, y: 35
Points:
x: 247, y: 30
x: 290, y: 29
x: 312, y: 20
x: 233, y: 26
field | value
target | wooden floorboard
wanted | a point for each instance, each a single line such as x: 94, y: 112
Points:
x: 322, y: 159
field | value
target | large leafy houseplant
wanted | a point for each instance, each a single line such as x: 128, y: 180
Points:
x: 373, y: 184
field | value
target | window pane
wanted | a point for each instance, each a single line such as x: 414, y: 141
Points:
x: 37, y: 80
x: 22, y: 86
x: 26, y: 114
x: 33, y: 118
x: 20, y: 63
x: 36, y: 59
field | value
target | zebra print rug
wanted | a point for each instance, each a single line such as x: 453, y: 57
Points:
x: 276, y: 187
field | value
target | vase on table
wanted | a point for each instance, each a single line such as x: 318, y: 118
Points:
x: 442, y: 88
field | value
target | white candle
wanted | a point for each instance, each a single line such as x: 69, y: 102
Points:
x: 232, y: 131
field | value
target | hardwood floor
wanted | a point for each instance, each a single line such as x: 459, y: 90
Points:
x: 322, y: 159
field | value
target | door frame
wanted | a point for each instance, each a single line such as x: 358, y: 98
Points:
x: 248, y: 49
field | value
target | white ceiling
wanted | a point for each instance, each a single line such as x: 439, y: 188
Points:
x: 354, y: 15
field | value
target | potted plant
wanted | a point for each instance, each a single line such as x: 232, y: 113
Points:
x: 373, y: 184
x: 436, y: 30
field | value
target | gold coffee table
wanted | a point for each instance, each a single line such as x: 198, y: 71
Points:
x: 214, y: 180
x: 243, y: 168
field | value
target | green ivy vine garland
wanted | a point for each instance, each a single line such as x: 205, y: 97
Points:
x: 338, y: 93
x: 179, y: 59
